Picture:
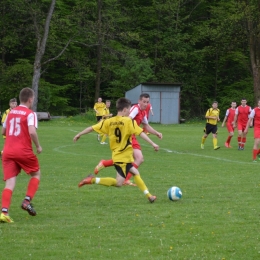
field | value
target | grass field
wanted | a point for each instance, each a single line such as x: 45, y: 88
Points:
x: 217, y: 217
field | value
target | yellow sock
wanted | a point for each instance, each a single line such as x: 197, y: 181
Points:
x: 141, y: 185
x: 104, y: 137
x: 104, y: 181
x: 203, y: 140
x: 215, y: 142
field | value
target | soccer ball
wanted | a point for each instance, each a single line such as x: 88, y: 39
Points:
x: 174, y: 193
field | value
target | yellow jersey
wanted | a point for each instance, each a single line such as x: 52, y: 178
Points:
x: 5, y: 115
x: 99, y: 106
x: 106, y: 112
x: 120, y: 130
x: 213, y: 112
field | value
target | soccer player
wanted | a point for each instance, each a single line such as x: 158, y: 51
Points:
x: 12, y: 104
x: 230, y: 114
x: 255, y: 115
x: 106, y: 114
x: 120, y: 130
x: 99, y: 107
x: 241, y: 118
x: 20, y: 130
x: 138, y: 114
x: 148, y: 110
x: 212, y: 117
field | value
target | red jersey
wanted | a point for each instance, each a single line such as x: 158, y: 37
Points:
x: 230, y: 114
x: 147, y: 110
x: 18, y: 140
x: 256, y: 115
x: 242, y: 114
x: 138, y: 115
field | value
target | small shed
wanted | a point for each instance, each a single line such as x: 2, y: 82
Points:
x: 164, y: 98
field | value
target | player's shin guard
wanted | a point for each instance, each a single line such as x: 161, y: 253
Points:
x: 32, y: 188
x: 6, y: 199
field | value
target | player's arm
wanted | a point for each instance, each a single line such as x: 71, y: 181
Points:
x: 235, y: 118
x: 208, y: 116
x: 151, y: 130
x: 34, y: 137
x: 84, y: 132
x: 249, y: 123
x: 148, y: 140
x: 224, y: 121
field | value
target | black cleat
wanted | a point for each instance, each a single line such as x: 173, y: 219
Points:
x: 26, y: 205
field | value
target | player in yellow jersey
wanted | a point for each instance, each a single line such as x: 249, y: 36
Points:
x: 120, y: 129
x: 106, y: 114
x: 212, y: 117
x: 99, y: 107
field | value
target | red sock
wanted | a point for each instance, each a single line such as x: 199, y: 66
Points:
x: 254, y: 153
x: 32, y: 187
x: 129, y: 174
x: 229, y: 138
x: 243, y: 141
x: 108, y: 163
x: 258, y: 151
x: 6, y: 199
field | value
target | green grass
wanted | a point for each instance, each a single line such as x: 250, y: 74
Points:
x: 217, y: 218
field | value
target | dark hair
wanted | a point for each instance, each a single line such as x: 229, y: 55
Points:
x: 144, y: 95
x: 12, y: 100
x: 122, y: 103
x: 215, y: 102
x: 25, y: 94
x: 243, y: 99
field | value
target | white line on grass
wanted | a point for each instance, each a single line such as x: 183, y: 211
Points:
x: 57, y: 149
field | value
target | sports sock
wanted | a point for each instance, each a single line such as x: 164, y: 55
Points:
x: 239, y: 140
x: 6, y: 200
x: 108, y: 163
x: 32, y: 188
x: 243, y: 141
x: 203, y: 139
x: 129, y: 174
x: 105, y: 181
x: 141, y: 185
x: 258, y: 151
x: 229, y: 139
x: 254, y: 154
x: 104, y: 137
x: 215, y: 142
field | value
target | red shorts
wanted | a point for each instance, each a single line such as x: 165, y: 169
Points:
x: 230, y: 127
x: 256, y: 133
x: 135, y: 143
x: 12, y: 166
x: 241, y: 127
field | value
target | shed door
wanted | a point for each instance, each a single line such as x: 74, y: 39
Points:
x: 169, y: 108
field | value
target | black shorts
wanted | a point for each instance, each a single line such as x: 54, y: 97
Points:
x: 123, y: 168
x: 209, y: 128
x: 98, y: 118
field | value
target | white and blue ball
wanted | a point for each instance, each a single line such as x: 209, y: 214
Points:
x: 174, y: 193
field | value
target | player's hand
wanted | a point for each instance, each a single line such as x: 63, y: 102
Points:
x: 156, y: 147
x: 76, y: 138
x: 159, y: 135
x: 39, y: 149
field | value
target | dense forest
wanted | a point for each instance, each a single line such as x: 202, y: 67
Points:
x: 73, y: 51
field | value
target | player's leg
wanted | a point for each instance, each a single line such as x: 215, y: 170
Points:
x: 204, y: 137
x: 138, y: 159
x: 215, y: 137
x: 231, y: 134
x: 32, y: 188
x: 141, y: 185
x: 243, y: 140
x: 239, y: 136
x: 103, y: 164
x: 104, y: 136
x: 6, y: 200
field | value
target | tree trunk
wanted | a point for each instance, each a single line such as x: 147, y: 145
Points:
x: 41, y: 45
x: 254, y: 47
x: 99, y: 52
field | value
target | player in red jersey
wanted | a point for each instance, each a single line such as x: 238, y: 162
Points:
x: 148, y: 110
x: 138, y: 114
x: 255, y: 115
x: 20, y: 130
x: 241, y: 117
x: 229, y: 118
